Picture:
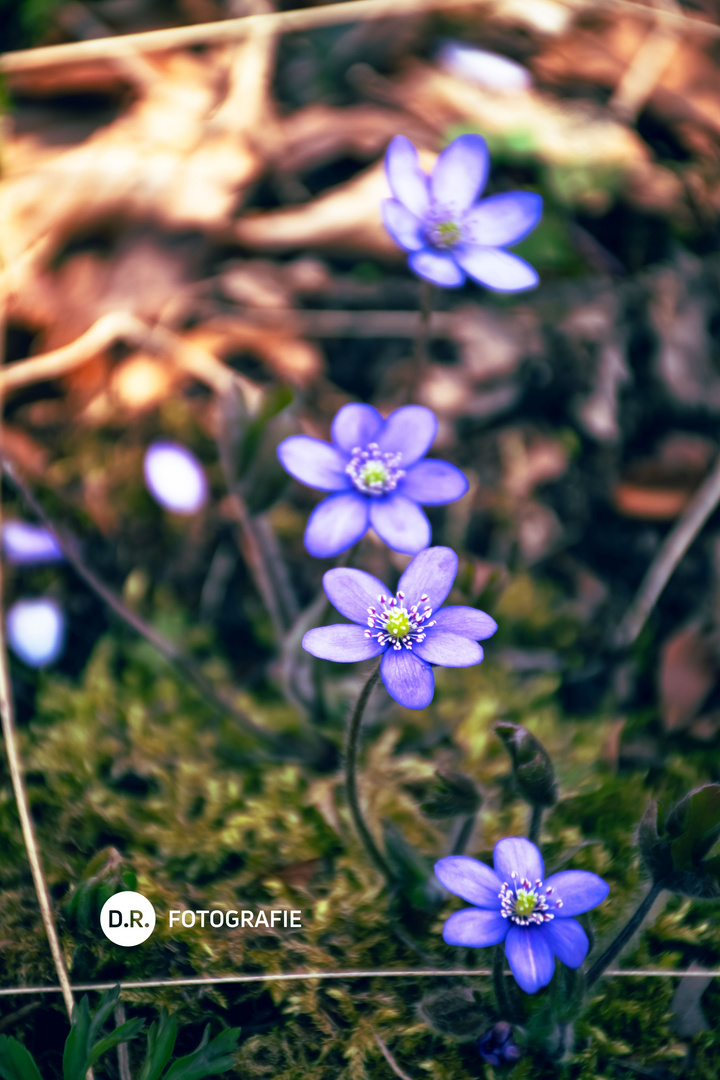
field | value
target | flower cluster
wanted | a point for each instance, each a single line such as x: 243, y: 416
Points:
x: 448, y: 234
x: 516, y: 904
x: 411, y: 631
x: 378, y: 476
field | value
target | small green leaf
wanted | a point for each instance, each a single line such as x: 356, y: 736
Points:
x: 16, y: 1063
x: 160, y: 1045
x: 210, y: 1059
x: 124, y: 1033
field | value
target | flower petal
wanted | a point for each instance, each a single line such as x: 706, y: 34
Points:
x: 409, y: 431
x: 437, y: 267
x: 475, y: 928
x: 503, y: 219
x: 407, y: 180
x: 431, y: 573
x: 405, y: 228
x: 495, y: 268
x: 568, y: 941
x: 352, y: 592
x: 336, y: 524
x: 400, y: 523
x: 355, y: 425
x: 460, y: 173
x: 345, y: 643
x: 467, y: 621
x: 579, y: 891
x: 470, y: 879
x: 530, y: 957
x: 449, y: 650
x: 434, y: 482
x: 407, y: 679
x: 314, y: 462
x: 516, y: 854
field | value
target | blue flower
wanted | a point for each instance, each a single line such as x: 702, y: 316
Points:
x: 36, y: 631
x: 376, y: 473
x: 513, y: 904
x: 25, y: 543
x: 407, y: 630
x: 448, y: 233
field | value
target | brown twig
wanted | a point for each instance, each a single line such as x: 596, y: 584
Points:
x: 110, y: 328
x: 284, y: 22
x: 389, y: 1057
x: 123, y: 1052
x: 12, y: 749
x: 676, y: 543
x: 372, y: 973
x: 646, y: 67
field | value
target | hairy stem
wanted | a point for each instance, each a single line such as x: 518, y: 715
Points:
x: 535, y: 824
x: 351, y: 752
x: 502, y: 996
x: 463, y: 835
x: 615, y: 947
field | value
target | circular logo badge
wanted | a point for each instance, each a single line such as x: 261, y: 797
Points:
x: 127, y: 918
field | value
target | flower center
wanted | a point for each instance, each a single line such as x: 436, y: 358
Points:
x: 526, y: 904
x: 374, y: 472
x: 394, y: 624
x: 445, y: 234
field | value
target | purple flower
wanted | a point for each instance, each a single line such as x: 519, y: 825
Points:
x: 448, y: 233
x: 25, y: 543
x: 498, y: 1047
x: 513, y: 904
x: 407, y: 630
x: 377, y: 474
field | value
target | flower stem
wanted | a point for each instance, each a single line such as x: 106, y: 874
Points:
x: 421, y: 341
x: 351, y: 752
x: 502, y: 997
x: 463, y: 836
x: 615, y: 947
x: 535, y: 824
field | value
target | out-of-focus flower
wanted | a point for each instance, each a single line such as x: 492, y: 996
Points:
x: 488, y: 69
x: 36, y: 631
x: 175, y: 478
x: 377, y: 472
x: 498, y: 1046
x: 448, y: 234
x: 513, y: 904
x: 407, y: 630
x: 25, y: 543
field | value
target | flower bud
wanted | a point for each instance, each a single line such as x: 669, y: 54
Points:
x: 676, y: 854
x: 454, y: 795
x: 456, y: 1012
x: 532, y: 768
x: 498, y: 1047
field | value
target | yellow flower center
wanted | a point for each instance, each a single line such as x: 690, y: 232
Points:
x: 525, y: 903
x: 398, y: 624
x: 374, y: 473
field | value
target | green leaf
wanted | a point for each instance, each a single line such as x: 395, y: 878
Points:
x: 210, y: 1059
x: 160, y: 1045
x: 121, y: 1034
x: 275, y: 401
x: 75, y: 1054
x: 16, y: 1063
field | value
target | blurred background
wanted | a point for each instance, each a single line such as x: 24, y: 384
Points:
x: 193, y: 267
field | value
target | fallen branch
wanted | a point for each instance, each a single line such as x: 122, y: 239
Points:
x: 107, y: 331
x: 285, y: 22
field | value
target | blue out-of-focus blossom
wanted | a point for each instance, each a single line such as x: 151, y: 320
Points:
x: 410, y: 630
x: 498, y: 1047
x: 513, y: 904
x: 487, y: 69
x: 23, y: 543
x: 36, y: 631
x: 175, y: 478
x: 448, y: 233
x: 377, y: 475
